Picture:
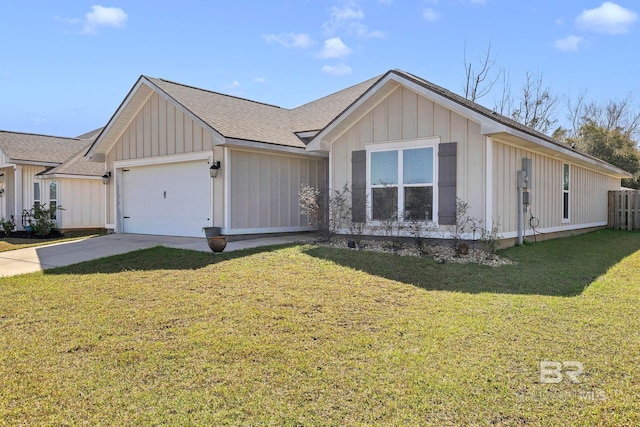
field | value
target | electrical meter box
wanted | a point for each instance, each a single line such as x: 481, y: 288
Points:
x: 527, y: 168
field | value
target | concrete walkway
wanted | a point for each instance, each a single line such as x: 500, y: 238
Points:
x: 39, y: 258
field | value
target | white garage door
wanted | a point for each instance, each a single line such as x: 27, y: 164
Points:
x: 172, y: 199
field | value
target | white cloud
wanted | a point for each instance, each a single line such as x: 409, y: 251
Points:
x: 349, y: 18
x: 104, y: 17
x: 260, y: 80
x: 337, y: 70
x: 430, y: 14
x: 335, y: 48
x: 569, y: 43
x: 289, y: 40
x: 609, y: 18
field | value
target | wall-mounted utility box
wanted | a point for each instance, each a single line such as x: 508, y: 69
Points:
x: 527, y: 168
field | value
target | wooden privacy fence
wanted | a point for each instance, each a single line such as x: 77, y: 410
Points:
x: 624, y: 209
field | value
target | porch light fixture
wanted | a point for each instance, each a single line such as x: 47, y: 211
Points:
x: 213, y: 170
x: 106, y: 178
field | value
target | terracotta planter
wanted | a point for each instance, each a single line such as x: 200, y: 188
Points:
x: 217, y: 244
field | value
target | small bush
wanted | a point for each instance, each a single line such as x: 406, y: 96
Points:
x: 8, y: 225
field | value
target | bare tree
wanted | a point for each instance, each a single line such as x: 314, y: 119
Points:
x: 614, y: 114
x: 479, y: 78
x: 504, y: 105
x: 536, y: 104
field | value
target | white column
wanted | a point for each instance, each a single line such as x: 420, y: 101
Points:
x: 17, y: 193
x: 488, y: 204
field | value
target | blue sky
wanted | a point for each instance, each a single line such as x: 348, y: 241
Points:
x: 66, y: 66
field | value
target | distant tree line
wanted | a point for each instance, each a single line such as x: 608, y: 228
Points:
x: 608, y: 130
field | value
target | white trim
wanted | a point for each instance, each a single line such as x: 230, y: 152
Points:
x: 488, y: 202
x: 69, y: 176
x: 469, y: 236
x: 185, y: 110
x: 265, y: 146
x: 307, y: 134
x: 226, y: 153
x: 18, y: 207
x: 529, y: 232
x: 568, y: 191
x: 430, y: 142
x: 119, y: 165
x: 488, y: 126
x: 125, y: 103
x: 158, y: 160
x: 30, y: 163
x: 231, y: 232
x: 110, y: 226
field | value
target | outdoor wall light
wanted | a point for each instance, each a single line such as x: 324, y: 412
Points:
x: 106, y: 178
x: 213, y: 170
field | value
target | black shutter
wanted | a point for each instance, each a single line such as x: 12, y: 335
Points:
x: 359, y: 186
x: 447, y: 183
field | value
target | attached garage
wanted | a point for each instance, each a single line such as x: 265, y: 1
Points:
x: 171, y: 199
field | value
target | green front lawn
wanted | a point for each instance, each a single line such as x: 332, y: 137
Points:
x: 13, y: 243
x: 306, y: 335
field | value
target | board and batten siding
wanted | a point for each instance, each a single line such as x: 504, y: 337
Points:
x: 28, y: 178
x: 159, y: 129
x: 264, y: 189
x: 83, y: 203
x: 7, y: 198
x: 587, y: 190
x: 405, y: 115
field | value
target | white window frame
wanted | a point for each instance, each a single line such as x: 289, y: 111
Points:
x: 566, y: 219
x: 400, y: 146
x: 56, y: 218
x: 39, y: 199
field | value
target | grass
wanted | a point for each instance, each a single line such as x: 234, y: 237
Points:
x: 305, y: 335
x: 13, y: 243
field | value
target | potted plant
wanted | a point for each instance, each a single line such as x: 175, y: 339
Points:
x: 215, y: 240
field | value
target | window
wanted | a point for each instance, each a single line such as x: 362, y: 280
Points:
x: 565, y: 192
x: 36, y: 194
x: 401, y: 183
x: 53, y: 197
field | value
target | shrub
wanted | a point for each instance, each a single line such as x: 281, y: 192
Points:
x: 8, y: 225
x: 43, y: 218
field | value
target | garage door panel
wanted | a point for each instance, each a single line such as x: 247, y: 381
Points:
x: 169, y: 199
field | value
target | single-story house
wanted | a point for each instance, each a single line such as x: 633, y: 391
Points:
x: 51, y: 170
x: 397, y: 140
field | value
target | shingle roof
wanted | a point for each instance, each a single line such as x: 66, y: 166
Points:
x: 40, y: 148
x: 494, y: 115
x: 240, y: 118
x: 78, y: 165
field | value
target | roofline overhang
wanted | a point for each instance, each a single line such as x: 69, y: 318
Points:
x: 565, y: 153
x: 259, y: 145
x: 488, y: 125
x: 113, y: 118
x: 15, y: 162
x: 67, y: 176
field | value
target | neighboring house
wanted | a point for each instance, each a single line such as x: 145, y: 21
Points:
x: 53, y: 171
x: 404, y: 145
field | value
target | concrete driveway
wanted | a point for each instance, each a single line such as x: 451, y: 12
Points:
x: 39, y: 258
